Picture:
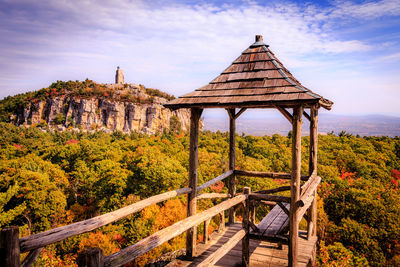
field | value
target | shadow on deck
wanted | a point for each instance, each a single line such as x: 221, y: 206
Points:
x: 262, y: 253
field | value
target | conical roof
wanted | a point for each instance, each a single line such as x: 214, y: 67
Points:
x: 255, y: 79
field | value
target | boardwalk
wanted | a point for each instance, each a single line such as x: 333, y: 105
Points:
x: 261, y: 253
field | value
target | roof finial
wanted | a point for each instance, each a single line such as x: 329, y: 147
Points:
x: 259, y: 38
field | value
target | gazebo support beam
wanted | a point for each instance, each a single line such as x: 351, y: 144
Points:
x: 286, y: 113
x: 239, y: 113
x: 295, y: 186
x: 308, y: 117
x: 191, y: 234
x: 312, y: 215
x: 232, y: 160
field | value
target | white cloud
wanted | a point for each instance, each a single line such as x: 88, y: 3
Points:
x: 390, y: 58
x: 177, y: 47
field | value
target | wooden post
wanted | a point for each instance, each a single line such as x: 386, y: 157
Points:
x: 193, y: 164
x: 232, y: 160
x: 91, y: 257
x: 312, y: 227
x: 252, y: 208
x: 9, y: 247
x: 246, y: 227
x: 222, y: 223
x: 295, y: 186
x: 206, y: 236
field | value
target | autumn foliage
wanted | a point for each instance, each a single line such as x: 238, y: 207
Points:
x: 49, y: 180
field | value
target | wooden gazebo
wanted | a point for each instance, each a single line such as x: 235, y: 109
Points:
x: 257, y: 79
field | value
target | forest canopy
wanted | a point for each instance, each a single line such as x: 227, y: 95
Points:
x: 50, y: 179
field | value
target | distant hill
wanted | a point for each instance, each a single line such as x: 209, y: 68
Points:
x: 368, y: 125
x: 92, y: 106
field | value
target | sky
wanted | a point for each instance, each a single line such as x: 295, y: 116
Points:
x: 346, y: 51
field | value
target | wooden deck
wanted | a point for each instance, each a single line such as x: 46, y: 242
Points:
x: 262, y: 253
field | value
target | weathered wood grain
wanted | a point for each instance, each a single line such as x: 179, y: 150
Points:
x: 246, y: 227
x: 313, y: 162
x: 309, y: 192
x: 128, y: 254
x: 54, y: 235
x: 232, y: 160
x: 91, y: 257
x: 9, y: 247
x: 257, y: 70
x: 221, y: 251
x: 191, y: 234
x: 295, y: 187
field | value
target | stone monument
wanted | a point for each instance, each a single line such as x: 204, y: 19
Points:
x: 119, y: 76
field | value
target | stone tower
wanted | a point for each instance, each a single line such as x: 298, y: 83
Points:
x: 119, y: 76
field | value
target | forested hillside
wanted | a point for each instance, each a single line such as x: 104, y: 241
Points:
x: 53, y: 179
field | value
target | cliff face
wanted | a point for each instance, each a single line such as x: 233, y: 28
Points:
x: 93, y: 113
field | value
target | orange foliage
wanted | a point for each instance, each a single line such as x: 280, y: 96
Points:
x: 98, y: 239
x: 217, y: 187
x: 172, y: 211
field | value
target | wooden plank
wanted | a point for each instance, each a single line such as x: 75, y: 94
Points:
x: 221, y: 251
x: 262, y: 253
x: 54, y: 235
x: 215, y: 180
x: 129, y: 253
x: 295, y: 186
x: 275, y: 221
x: 273, y: 175
x: 193, y: 176
x: 9, y: 247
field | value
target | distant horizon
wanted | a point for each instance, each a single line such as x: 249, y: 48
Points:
x: 214, y: 111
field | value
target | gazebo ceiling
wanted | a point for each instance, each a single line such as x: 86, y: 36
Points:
x: 255, y: 79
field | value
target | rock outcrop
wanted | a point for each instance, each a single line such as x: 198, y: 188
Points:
x: 91, y: 113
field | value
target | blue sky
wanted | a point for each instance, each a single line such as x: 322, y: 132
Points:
x: 347, y: 51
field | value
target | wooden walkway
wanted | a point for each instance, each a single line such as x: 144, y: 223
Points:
x: 262, y: 253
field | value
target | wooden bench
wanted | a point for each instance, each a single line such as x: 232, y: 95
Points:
x: 274, y: 224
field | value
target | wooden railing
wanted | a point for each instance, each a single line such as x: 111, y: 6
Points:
x: 11, y: 245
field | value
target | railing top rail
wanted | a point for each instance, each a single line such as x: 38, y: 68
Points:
x: 215, y: 180
x: 54, y: 235
x: 42, y: 239
x: 130, y: 253
x: 274, y: 175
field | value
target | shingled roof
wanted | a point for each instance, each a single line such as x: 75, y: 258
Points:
x: 255, y: 79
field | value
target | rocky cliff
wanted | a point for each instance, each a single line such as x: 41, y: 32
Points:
x: 90, y: 106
